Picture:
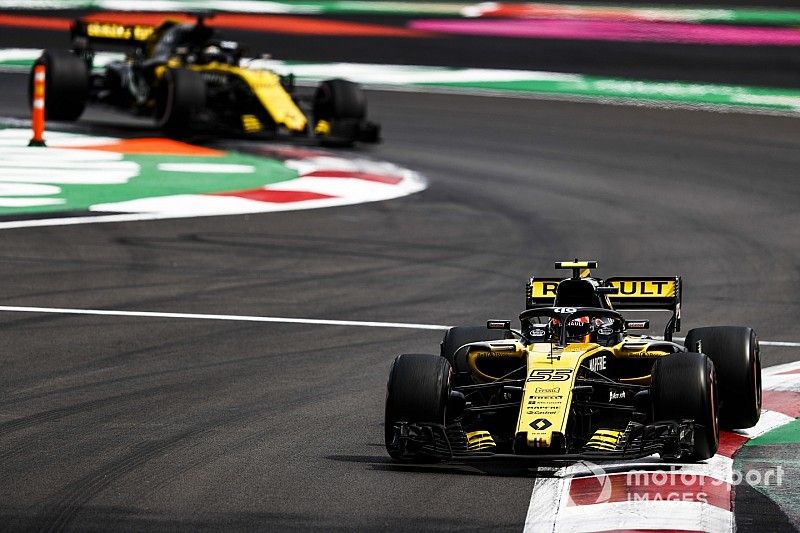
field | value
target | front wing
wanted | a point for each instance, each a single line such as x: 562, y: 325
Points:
x: 674, y: 438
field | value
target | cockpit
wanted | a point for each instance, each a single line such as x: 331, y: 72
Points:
x: 565, y: 325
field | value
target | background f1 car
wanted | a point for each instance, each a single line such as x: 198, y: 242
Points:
x: 188, y: 79
x: 573, y: 383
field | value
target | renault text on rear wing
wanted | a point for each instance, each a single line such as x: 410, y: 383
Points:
x: 112, y: 32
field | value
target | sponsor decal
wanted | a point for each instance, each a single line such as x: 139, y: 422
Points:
x: 616, y: 395
x: 544, y: 399
x: 537, y: 332
x: 545, y: 389
x: 564, y: 310
x: 596, y: 364
x: 544, y: 289
x: 119, y: 31
x: 550, y: 374
x: 540, y: 424
x: 644, y: 289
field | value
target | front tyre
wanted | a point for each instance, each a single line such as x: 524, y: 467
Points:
x: 339, y: 99
x: 180, y: 95
x: 417, y: 392
x: 684, y: 386
x: 339, y: 110
x: 735, y: 353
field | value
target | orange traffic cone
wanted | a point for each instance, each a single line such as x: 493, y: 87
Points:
x: 37, y: 113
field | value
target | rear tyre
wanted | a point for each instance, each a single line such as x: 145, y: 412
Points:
x: 66, y: 85
x: 735, y: 353
x: 339, y: 99
x: 179, y: 97
x: 417, y: 391
x: 457, y: 337
x: 684, y: 387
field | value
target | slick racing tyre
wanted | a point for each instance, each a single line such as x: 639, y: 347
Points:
x: 180, y: 95
x: 457, y: 337
x: 339, y: 99
x: 684, y: 387
x: 66, y: 85
x: 735, y: 353
x: 418, y: 391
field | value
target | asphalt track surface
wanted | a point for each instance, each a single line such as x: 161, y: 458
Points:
x: 138, y: 423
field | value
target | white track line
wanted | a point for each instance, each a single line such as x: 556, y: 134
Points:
x: 247, y: 318
x: 779, y: 343
x: 781, y: 369
x: 72, y: 221
x: 787, y: 344
x: 232, y: 318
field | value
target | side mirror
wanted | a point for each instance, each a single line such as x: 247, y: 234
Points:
x: 637, y: 324
x: 498, y: 324
x: 607, y: 290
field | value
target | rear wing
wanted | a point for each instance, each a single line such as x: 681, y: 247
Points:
x: 112, y: 32
x: 642, y: 293
x: 648, y: 294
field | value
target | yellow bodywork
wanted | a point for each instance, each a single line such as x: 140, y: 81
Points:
x: 266, y: 86
x: 605, y: 439
x: 551, y: 374
x: 323, y: 127
x: 547, y: 395
x: 480, y: 441
x: 251, y: 124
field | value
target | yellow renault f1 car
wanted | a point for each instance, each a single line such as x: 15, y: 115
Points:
x: 189, y: 80
x: 573, y: 382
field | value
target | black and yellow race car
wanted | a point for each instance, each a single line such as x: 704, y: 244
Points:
x: 189, y: 79
x: 573, y: 382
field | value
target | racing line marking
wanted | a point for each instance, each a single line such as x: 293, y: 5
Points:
x: 233, y: 318
x: 785, y: 344
x: 270, y: 319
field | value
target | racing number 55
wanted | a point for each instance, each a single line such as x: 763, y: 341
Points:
x: 550, y: 374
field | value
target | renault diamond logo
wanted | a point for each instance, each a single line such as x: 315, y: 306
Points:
x: 541, y: 424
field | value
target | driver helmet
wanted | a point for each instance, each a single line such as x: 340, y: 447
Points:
x: 580, y: 329
x: 211, y: 53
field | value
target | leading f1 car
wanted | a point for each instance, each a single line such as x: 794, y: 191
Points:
x: 189, y: 79
x: 573, y: 382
